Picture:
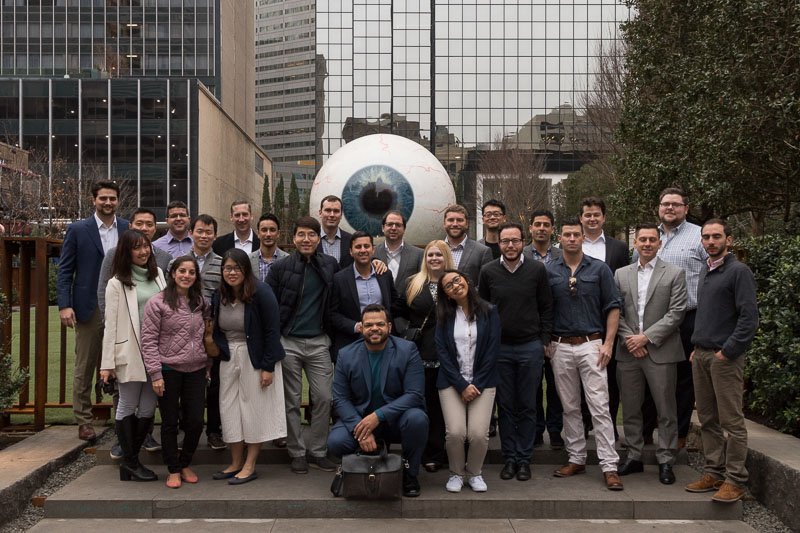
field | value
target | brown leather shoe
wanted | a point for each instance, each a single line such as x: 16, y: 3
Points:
x: 613, y: 482
x: 86, y: 432
x: 706, y: 484
x: 279, y: 443
x: 681, y: 442
x: 569, y: 469
x: 728, y: 493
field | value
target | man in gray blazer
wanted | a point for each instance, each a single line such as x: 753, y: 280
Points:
x: 269, y: 228
x: 649, y: 348
x: 468, y: 255
x: 401, y: 258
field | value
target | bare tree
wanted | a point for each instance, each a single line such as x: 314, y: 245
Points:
x: 513, y: 176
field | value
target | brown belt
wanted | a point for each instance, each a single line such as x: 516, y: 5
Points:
x: 576, y: 340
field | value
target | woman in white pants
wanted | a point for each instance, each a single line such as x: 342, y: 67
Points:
x: 247, y: 332
x: 467, y: 339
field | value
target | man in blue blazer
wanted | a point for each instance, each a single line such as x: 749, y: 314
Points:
x: 379, y: 394
x: 354, y: 288
x: 85, y: 245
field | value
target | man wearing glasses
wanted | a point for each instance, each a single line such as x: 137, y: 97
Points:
x: 176, y: 242
x: 302, y: 283
x: 494, y: 215
x: 403, y: 259
x: 586, y: 318
x: 521, y: 292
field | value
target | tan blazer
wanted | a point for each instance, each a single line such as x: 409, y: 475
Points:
x: 664, y: 308
x: 122, y: 339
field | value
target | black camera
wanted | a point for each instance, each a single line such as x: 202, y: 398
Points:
x: 105, y: 387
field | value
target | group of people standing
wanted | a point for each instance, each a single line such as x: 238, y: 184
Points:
x: 413, y: 346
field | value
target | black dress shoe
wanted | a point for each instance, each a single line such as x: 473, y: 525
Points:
x: 538, y: 441
x: 631, y: 466
x: 524, y: 472
x: 509, y: 471
x: 665, y: 474
x: 492, y: 431
x: 432, y: 467
x: 410, y: 485
x: 556, y: 441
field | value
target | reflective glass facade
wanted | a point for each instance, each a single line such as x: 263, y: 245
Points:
x: 109, y: 38
x: 143, y: 132
x: 460, y: 76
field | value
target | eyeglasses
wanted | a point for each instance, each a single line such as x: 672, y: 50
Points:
x: 506, y: 242
x: 573, y: 286
x: 232, y: 268
x: 456, y: 280
x: 673, y: 205
x: 178, y: 215
x: 394, y: 224
x: 492, y: 214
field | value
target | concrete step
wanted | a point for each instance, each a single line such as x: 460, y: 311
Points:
x: 278, y: 493
x: 390, y: 526
x: 273, y: 455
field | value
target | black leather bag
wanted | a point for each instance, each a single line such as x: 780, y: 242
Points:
x: 415, y: 334
x: 369, y: 477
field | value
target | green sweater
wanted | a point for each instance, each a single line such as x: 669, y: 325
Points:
x: 145, y: 289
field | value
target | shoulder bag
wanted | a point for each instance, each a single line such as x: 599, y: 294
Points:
x: 369, y: 477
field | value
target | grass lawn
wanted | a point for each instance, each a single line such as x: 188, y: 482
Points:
x: 64, y: 416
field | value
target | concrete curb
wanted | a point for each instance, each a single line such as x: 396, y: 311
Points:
x: 26, y: 465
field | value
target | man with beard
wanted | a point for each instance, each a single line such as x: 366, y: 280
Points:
x: 242, y: 236
x: 468, y: 255
x: 402, y: 259
x: 727, y: 321
x: 388, y: 405
x: 85, y: 245
x: 176, y: 242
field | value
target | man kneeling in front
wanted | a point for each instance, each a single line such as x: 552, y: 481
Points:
x: 379, y: 395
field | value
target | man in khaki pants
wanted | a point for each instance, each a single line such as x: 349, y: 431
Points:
x: 727, y: 320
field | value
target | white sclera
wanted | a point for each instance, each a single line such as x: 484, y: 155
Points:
x: 433, y: 189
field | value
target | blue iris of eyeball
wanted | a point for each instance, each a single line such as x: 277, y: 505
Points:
x: 379, y: 173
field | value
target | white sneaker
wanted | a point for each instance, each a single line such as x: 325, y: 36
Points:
x: 477, y: 484
x: 455, y: 483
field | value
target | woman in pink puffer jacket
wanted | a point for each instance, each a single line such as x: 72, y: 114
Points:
x: 173, y: 328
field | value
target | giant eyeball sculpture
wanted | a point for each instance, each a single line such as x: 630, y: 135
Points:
x: 380, y: 173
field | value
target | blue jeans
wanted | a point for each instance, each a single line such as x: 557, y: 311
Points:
x: 519, y: 370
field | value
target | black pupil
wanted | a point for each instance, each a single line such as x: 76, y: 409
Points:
x: 377, y: 198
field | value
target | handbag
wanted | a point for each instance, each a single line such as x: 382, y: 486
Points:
x: 370, y: 477
x: 415, y: 334
x: 212, y: 350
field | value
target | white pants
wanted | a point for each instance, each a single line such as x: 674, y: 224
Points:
x: 248, y: 412
x: 573, y: 365
x: 466, y: 423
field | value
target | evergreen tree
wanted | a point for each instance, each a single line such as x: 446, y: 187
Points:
x: 266, y: 201
x: 294, y: 201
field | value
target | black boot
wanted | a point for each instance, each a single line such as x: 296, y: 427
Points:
x: 144, y: 426
x: 130, y: 442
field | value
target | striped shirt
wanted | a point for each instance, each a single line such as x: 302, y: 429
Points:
x: 683, y: 247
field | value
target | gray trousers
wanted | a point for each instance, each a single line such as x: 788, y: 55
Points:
x: 632, y: 375
x: 133, y: 395
x: 88, y: 348
x: 313, y: 356
x: 718, y: 392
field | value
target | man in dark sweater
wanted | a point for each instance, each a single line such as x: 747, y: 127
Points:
x: 521, y: 292
x: 726, y: 322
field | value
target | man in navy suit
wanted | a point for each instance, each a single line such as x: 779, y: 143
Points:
x: 85, y: 245
x: 335, y: 241
x: 379, y: 394
x: 356, y: 287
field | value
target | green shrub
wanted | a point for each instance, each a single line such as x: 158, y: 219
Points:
x: 773, y: 363
x: 10, y: 381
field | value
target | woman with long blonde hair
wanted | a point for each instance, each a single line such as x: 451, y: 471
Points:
x: 418, y: 305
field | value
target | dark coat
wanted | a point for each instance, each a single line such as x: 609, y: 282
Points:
x: 402, y: 382
x: 346, y: 310
x: 286, y: 279
x: 415, y: 312
x: 79, y: 266
x: 617, y: 255
x: 260, y: 326
x: 484, y: 372
x: 410, y: 262
x: 345, y: 259
x: 223, y: 243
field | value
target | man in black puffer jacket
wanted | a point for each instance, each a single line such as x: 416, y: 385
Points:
x: 302, y: 284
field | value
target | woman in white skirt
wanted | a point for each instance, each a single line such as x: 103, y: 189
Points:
x: 247, y: 332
